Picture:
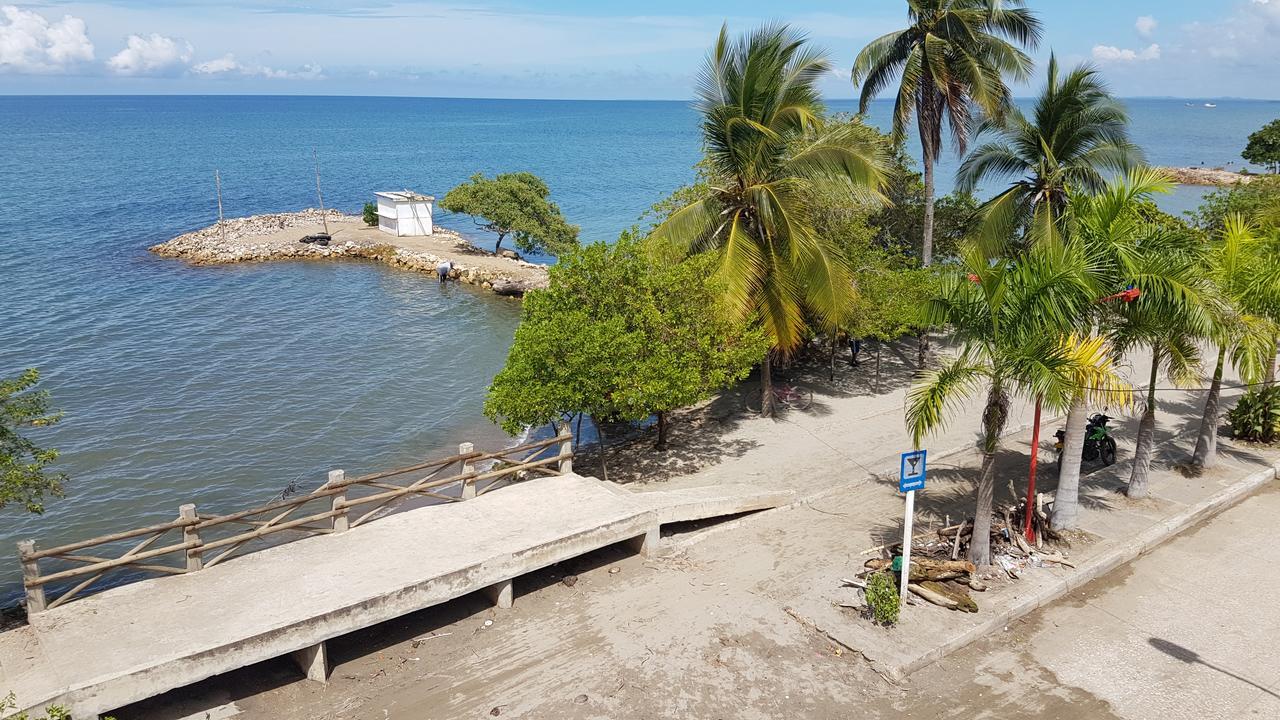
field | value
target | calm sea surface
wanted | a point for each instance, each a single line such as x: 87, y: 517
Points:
x: 224, y: 385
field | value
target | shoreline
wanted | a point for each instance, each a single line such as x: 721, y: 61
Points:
x: 1213, y: 177
x: 276, y: 236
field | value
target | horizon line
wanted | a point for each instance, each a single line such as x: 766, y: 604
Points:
x: 544, y: 99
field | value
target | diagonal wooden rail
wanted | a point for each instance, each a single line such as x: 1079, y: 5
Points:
x: 375, y: 495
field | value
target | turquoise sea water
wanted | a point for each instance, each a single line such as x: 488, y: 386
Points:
x: 223, y: 385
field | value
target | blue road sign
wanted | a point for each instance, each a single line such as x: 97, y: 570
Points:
x: 911, y: 476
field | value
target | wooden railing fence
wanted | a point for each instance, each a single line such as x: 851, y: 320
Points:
x: 337, y: 506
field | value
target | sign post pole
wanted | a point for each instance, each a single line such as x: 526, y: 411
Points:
x: 906, y: 545
x: 910, y: 479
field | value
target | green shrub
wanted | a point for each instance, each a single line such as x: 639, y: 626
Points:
x: 1256, y: 415
x: 882, y: 597
x: 371, y: 214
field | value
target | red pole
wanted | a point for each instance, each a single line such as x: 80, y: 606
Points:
x: 1031, y: 484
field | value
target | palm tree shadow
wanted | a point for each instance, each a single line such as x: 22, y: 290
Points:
x: 1191, y: 657
x: 897, y: 370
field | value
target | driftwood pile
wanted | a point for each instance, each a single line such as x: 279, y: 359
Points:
x: 941, y: 575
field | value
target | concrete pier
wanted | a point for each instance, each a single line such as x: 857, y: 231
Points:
x: 139, y: 640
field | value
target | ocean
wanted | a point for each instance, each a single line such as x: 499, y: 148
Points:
x: 225, y: 385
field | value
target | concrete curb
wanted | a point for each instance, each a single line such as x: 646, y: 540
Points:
x: 1123, y: 552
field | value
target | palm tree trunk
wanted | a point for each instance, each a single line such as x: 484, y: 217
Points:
x: 1271, y: 366
x: 1146, y: 436
x: 926, y: 245
x: 766, y: 385
x: 1066, y: 502
x: 1206, y: 454
x: 993, y: 421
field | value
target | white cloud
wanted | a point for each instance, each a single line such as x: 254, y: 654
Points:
x: 31, y: 44
x: 153, y: 54
x: 1146, y: 26
x: 1246, y: 36
x: 224, y: 64
x: 1110, y: 53
x: 228, y: 65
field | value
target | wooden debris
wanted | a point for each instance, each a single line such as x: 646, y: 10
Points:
x: 1055, y: 558
x: 926, y: 569
x: 933, y: 597
x: 959, y: 597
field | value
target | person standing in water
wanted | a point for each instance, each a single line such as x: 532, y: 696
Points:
x: 442, y: 269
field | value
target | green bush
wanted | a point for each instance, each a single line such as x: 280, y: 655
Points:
x: 1256, y: 415
x: 882, y: 597
x: 371, y: 214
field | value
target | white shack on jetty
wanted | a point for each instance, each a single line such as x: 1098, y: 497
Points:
x: 405, y: 213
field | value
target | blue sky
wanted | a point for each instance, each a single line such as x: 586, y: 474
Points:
x: 570, y: 48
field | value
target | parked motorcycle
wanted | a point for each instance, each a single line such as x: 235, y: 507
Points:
x: 1098, y: 443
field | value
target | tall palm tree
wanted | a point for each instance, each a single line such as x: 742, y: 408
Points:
x: 1243, y: 272
x: 1170, y: 319
x: 1009, y: 316
x: 769, y: 153
x: 954, y: 55
x: 1111, y: 232
x: 1076, y: 133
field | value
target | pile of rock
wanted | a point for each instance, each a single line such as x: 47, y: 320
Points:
x: 259, y: 238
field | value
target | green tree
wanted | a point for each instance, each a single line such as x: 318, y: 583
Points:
x: 1076, y: 133
x: 1010, y: 317
x: 1264, y: 147
x: 24, y: 479
x: 954, y: 56
x: 1170, y: 319
x: 1112, y: 229
x: 769, y: 153
x: 620, y: 335
x: 514, y: 204
x: 1243, y: 272
x: 1257, y: 201
x: 889, y: 304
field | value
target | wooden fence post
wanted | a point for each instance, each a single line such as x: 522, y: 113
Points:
x: 468, y: 486
x: 31, y: 571
x: 339, y: 522
x: 566, y: 449
x: 195, y: 559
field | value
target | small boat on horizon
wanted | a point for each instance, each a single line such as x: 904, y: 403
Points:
x: 1210, y: 105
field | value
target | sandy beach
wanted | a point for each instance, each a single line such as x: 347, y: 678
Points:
x: 262, y: 238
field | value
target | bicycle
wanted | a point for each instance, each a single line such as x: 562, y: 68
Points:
x: 784, y: 395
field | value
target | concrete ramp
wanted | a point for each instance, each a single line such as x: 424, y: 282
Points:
x: 140, y: 640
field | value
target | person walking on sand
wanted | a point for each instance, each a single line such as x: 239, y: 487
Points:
x: 443, y: 268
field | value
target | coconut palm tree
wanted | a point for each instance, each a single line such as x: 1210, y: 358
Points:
x: 1009, y: 316
x: 1076, y: 132
x: 769, y: 153
x: 954, y: 56
x: 1243, y: 273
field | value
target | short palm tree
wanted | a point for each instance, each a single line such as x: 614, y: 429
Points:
x: 769, y: 154
x: 1243, y: 272
x: 1009, y: 316
x: 1076, y: 133
x: 954, y: 56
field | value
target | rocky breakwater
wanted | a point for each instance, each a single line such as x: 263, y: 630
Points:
x: 1205, y: 176
x: 279, y: 236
